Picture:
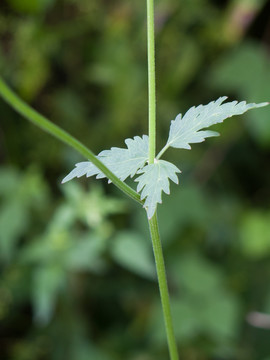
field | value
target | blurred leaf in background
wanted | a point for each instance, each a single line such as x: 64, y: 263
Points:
x: 132, y: 252
x: 251, y: 81
x: 31, y: 6
x: 255, y: 235
x: 21, y: 195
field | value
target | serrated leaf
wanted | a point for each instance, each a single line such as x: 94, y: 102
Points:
x: 188, y: 129
x: 122, y: 162
x: 155, y: 179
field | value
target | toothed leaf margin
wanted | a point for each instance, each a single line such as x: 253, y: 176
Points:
x: 188, y: 129
x: 155, y: 179
x: 122, y: 162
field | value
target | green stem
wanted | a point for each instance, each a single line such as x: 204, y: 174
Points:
x: 26, y: 111
x: 162, y: 151
x: 153, y: 223
x: 163, y: 287
x: 151, y: 80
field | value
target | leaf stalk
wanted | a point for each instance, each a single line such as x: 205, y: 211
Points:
x: 32, y: 115
x: 162, y: 151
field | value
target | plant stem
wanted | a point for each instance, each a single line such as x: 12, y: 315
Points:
x: 162, y: 151
x: 30, y: 114
x: 163, y: 287
x: 151, y: 80
x: 153, y: 223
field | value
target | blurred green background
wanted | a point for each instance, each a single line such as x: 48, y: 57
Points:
x: 77, y: 271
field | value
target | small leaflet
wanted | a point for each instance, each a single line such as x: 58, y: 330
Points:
x: 155, y: 179
x: 122, y: 162
x: 188, y: 129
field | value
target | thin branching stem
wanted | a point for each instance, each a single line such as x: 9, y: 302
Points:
x: 153, y: 222
x: 162, y: 151
x: 151, y: 80
x: 163, y: 287
x: 32, y: 115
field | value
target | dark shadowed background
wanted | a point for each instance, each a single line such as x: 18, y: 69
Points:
x: 77, y: 272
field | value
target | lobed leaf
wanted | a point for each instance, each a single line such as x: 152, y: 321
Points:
x: 155, y: 179
x: 122, y: 162
x: 188, y: 129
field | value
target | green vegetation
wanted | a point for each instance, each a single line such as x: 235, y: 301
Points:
x: 79, y: 263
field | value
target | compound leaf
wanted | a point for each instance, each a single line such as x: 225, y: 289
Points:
x: 155, y: 179
x: 122, y: 162
x: 188, y: 129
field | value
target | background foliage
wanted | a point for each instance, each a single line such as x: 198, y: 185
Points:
x: 77, y: 272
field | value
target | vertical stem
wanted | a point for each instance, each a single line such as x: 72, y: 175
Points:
x: 151, y: 80
x: 153, y: 223
x: 163, y: 287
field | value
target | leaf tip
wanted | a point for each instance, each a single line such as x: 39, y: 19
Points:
x: 266, y: 103
x: 66, y: 179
